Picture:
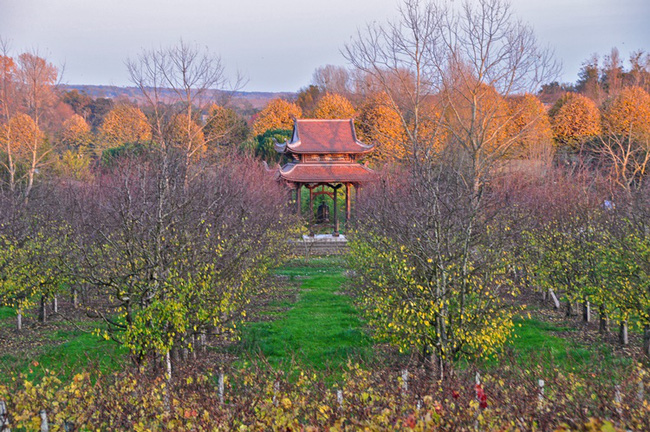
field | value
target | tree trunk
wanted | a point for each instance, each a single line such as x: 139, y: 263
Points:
x: 622, y: 334
x: 55, y: 304
x: 646, y: 341
x: 586, y: 311
x: 42, y: 310
x: 603, y: 326
x: 30, y: 183
x: 168, y: 370
x: 75, y: 298
x: 437, y: 365
x: 19, y: 320
x: 569, y: 309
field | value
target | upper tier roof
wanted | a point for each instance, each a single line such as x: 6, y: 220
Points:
x: 323, y: 136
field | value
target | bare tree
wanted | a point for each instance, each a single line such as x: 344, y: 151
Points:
x: 179, y: 83
x: 332, y: 79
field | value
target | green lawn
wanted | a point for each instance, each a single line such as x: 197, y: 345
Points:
x: 317, y: 327
x: 6, y: 312
x: 66, y: 352
x: 537, y: 343
x: 321, y: 329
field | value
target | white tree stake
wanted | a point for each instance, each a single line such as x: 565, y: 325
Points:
x: 221, y: 387
x: 405, y: 381
x: 44, y: 426
x: 640, y: 393
x: 276, y: 390
x: 4, y: 417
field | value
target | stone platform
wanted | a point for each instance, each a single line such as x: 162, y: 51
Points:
x: 320, y: 245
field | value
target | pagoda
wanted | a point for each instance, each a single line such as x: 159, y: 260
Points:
x: 325, y: 154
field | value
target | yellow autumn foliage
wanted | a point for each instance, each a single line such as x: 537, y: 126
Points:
x: 76, y: 131
x: 629, y: 113
x: 575, y: 119
x: 21, y: 136
x: 278, y: 114
x: 125, y: 124
x: 186, y: 136
x: 333, y: 106
x: 379, y: 124
x: 529, y: 127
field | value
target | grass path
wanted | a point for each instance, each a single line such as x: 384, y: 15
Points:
x: 321, y: 328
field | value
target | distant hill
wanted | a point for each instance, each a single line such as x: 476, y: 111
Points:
x: 243, y: 100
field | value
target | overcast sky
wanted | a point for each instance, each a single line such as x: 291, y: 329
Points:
x: 277, y: 44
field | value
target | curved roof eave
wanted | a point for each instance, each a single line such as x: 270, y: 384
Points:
x: 280, y: 148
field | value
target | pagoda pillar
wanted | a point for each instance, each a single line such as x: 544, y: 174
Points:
x: 311, y: 210
x: 336, y: 213
x: 298, y: 193
x: 347, y: 207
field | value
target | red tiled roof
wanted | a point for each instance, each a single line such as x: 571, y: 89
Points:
x: 334, y: 173
x: 324, y: 136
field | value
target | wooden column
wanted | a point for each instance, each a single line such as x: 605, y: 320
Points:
x: 298, y: 204
x: 347, y: 206
x: 336, y: 213
x: 311, y: 210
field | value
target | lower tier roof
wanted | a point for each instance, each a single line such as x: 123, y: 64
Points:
x: 326, y: 173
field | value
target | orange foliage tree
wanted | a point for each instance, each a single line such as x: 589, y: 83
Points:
x: 531, y: 127
x: 76, y: 133
x: 625, y: 141
x: 575, y: 119
x: 185, y: 135
x: 333, y: 106
x: 125, y: 124
x: 224, y: 127
x: 36, y: 78
x: 477, y: 118
x: 74, y: 161
x: 22, y: 136
x: 278, y: 114
x: 379, y: 124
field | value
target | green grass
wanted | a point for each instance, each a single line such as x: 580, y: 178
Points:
x: 321, y: 329
x: 318, y: 328
x: 6, y: 313
x: 537, y: 342
x: 67, y: 352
